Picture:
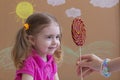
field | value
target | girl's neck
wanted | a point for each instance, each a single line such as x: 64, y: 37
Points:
x: 43, y: 56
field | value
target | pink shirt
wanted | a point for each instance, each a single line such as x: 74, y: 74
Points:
x: 37, y: 68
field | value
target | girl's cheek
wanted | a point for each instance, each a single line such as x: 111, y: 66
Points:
x: 58, y: 43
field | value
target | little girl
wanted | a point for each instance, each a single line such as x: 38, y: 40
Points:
x: 37, y: 48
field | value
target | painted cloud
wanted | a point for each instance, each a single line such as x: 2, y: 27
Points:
x: 73, y: 12
x: 56, y: 2
x: 104, y: 3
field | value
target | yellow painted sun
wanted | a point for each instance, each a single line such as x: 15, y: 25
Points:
x: 24, y: 9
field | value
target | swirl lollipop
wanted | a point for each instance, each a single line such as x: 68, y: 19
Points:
x: 78, y: 34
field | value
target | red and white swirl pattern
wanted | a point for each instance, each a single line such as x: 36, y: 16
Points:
x: 78, y: 31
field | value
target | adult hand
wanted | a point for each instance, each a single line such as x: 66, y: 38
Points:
x: 89, y: 63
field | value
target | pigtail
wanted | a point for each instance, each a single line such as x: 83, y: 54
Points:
x: 21, y: 48
x: 58, y: 54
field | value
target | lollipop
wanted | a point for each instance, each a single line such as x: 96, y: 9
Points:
x: 78, y: 34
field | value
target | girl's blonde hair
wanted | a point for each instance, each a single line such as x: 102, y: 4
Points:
x: 22, y: 48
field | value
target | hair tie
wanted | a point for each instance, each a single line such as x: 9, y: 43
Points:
x: 26, y: 26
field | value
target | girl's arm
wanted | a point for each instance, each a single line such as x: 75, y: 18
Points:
x: 26, y: 77
x: 56, y: 76
x: 114, y: 64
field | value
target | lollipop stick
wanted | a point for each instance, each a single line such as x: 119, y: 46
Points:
x: 81, y: 60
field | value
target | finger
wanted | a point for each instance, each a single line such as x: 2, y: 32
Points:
x: 84, y: 64
x: 81, y: 70
x: 86, y: 56
x: 84, y: 69
x: 78, y: 70
x: 87, y: 73
x: 80, y: 63
x: 77, y: 63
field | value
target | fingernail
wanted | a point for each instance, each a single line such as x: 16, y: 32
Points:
x: 78, y: 62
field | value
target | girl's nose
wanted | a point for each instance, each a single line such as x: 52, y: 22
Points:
x: 54, y: 41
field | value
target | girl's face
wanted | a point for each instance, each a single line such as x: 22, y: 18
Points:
x: 48, y: 40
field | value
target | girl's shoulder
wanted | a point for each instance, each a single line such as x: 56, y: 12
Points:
x: 29, y: 61
x: 31, y: 58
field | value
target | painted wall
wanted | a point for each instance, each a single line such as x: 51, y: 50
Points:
x: 100, y: 18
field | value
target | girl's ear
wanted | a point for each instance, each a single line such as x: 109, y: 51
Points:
x: 31, y: 39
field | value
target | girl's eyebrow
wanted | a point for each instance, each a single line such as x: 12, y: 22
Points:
x: 52, y: 35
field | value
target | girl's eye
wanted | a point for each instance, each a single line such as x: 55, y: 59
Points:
x: 52, y: 37
x: 49, y: 37
x: 58, y: 37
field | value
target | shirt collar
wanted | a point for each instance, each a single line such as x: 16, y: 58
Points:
x: 40, y: 61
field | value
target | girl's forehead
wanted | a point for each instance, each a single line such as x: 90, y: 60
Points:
x: 51, y: 29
